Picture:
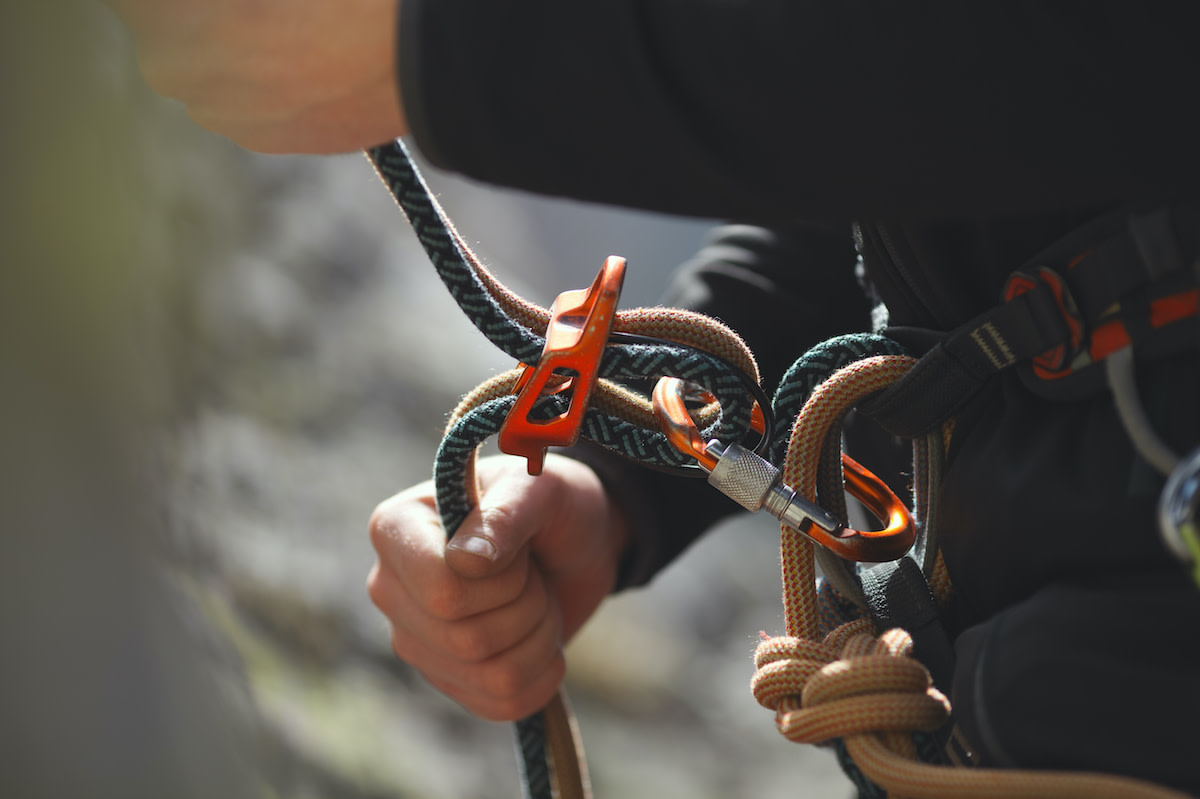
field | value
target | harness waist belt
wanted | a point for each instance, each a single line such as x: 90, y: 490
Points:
x: 1127, y: 279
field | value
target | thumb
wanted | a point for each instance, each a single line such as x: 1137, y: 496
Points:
x: 512, y: 508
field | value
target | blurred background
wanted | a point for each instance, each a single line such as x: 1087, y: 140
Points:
x: 213, y: 364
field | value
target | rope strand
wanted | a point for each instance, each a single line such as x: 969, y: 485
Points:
x: 683, y: 344
x: 866, y: 689
x: 849, y: 684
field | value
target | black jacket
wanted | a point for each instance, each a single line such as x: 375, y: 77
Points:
x: 961, y: 141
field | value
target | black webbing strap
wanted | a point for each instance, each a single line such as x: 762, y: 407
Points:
x: 947, y: 376
x: 898, y: 595
x: 1105, y: 265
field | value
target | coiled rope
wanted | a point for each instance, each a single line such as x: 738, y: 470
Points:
x: 862, y: 687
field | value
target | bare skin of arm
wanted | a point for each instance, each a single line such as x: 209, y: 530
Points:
x: 485, y: 617
x: 275, y: 76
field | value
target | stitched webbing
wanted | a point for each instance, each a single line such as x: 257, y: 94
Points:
x: 951, y: 373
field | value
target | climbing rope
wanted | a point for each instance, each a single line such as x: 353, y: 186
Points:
x: 861, y: 686
x: 827, y: 678
x: 644, y: 343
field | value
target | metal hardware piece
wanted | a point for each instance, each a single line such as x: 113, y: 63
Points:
x: 1179, y: 513
x: 580, y: 322
x: 756, y: 484
x: 753, y: 483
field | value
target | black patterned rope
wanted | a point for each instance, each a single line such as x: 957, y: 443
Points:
x: 433, y: 231
x: 628, y: 361
x: 395, y: 167
x: 531, y: 751
x: 625, y: 361
x: 459, y: 444
x: 811, y: 369
x: 620, y: 361
x: 453, y: 498
x: 452, y: 495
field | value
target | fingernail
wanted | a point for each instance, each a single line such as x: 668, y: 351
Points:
x: 476, y: 545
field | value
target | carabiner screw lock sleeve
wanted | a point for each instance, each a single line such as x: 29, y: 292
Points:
x: 755, y: 484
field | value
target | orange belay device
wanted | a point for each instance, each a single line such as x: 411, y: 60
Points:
x: 580, y: 323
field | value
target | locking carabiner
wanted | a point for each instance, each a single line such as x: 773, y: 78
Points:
x: 670, y: 408
x: 670, y: 398
x: 755, y: 484
x: 1179, y: 513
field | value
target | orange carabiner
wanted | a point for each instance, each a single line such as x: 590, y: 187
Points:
x: 580, y: 323
x: 890, y: 543
x: 874, y: 546
x: 669, y: 399
x: 670, y: 406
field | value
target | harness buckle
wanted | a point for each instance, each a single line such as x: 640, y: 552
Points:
x: 1059, y: 360
x: 580, y: 323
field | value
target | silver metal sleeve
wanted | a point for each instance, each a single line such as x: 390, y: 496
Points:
x: 742, y: 476
x: 754, y: 483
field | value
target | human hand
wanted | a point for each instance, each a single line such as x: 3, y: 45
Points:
x: 275, y: 76
x: 484, y: 618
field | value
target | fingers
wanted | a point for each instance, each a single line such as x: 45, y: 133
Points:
x: 501, y: 665
x: 494, y: 643
x: 513, y: 508
x: 463, y: 638
x: 411, y: 548
x: 563, y: 514
x: 485, y: 617
x: 532, y: 686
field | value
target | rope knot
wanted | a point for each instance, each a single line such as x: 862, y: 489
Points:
x: 850, y: 683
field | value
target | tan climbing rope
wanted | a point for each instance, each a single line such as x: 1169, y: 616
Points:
x: 866, y: 688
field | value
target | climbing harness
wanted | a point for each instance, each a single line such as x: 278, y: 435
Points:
x: 1108, y: 287
x: 848, y: 675
x: 1072, y: 324
x: 854, y: 665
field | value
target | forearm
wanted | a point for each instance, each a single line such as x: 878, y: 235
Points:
x: 275, y: 76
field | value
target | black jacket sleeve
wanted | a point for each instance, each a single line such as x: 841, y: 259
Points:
x: 776, y: 110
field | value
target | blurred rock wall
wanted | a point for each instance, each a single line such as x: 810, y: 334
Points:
x: 213, y: 365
